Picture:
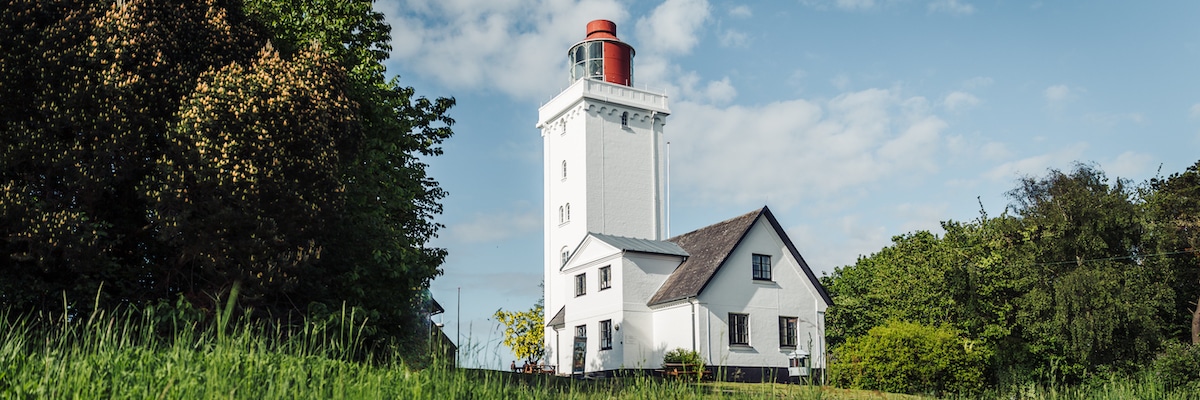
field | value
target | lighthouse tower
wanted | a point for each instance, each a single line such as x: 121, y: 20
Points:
x: 603, y: 155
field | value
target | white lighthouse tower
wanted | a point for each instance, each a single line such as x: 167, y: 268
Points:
x: 603, y: 155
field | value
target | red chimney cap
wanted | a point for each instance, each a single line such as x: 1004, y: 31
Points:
x: 601, y: 28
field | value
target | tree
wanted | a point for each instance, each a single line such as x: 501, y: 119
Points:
x: 166, y: 148
x: 1174, y: 207
x: 524, y: 332
x: 1094, y: 299
x: 905, y: 357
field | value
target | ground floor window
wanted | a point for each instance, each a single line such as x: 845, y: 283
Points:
x: 606, y: 334
x: 787, y: 331
x: 739, y: 329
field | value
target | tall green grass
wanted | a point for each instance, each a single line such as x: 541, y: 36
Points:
x: 149, y: 355
x: 152, y: 354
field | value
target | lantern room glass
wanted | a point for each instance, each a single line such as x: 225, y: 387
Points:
x: 587, y: 60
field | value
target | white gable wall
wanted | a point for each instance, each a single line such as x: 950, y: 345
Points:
x: 641, y: 276
x: 790, y: 293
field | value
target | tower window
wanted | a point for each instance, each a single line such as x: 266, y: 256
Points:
x: 564, y: 169
x: 568, y: 212
x: 625, y: 119
x: 560, y: 215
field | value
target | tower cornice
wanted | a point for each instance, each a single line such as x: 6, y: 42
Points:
x: 603, y: 91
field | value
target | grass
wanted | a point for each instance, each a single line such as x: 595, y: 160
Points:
x: 127, y: 356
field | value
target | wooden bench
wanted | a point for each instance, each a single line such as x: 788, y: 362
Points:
x: 676, y: 370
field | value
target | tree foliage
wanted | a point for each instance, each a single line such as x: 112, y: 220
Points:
x: 166, y: 148
x: 906, y: 357
x: 1079, y: 275
x: 524, y: 332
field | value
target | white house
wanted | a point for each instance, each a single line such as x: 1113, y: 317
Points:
x: 621, y: 294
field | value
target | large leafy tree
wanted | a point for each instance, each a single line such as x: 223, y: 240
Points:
x: 1174, y: 207
x: 166, y: 147
x: 1093, y: 299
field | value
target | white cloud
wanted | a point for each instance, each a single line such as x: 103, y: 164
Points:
x: 951, y: 7
x: 840, y: 81
x: 861, y: 239
x: 959, y: 100
x: 741, y: 11
x: 794, y: 150
x: 1128, y: 164
x: 1195, y: 111
x: 673, y: 27
x: 1112, y: 119
x: 1035, y: 165
x: 922, y: 217
x: 995, y: 151
x: 511, y: 45
x: 847, y: 5
x: 1058, y: 94
x: 733, y: 38
x: 977, y: 82
x: 494, y: 227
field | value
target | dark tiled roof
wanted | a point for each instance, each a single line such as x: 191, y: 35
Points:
x: 642, y: 245
x: 708, y: 248
x: 560, y: 318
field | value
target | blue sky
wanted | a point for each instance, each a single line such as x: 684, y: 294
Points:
x: 854, y: 120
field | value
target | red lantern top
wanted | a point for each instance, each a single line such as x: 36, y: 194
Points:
x: 601, y: 55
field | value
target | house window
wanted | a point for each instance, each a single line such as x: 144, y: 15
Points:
x: 606, y: 334
x: 564, y: 172
x: 605, y: 277
x: 739, y: 329
x: 568, y: 211
x: 566, y: 255
x: 787, y: 331
x: 580, y: 284
x: 560, y: 215
x: 581, y: 331
x: 762, y: 267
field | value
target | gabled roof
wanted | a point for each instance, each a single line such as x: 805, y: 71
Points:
x: 710, y: 246
x: 641, y: 245
x: 560, y: 318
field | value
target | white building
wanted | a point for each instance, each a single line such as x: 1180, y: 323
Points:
x: 736, y: 291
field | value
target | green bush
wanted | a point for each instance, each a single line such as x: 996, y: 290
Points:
x: 684, y: 356
x: 904, y: 357
x: 1178, y: 365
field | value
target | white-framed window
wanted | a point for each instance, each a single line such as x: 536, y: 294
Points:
x: 605, y: 277
x: 581, y: 331
x: 564, y: 170
x: 568, y: 212
x: 560, y: 215
x: 606, y: 334
x: 739, y: 329
x: 565, y: 254
x: 761, y: 264
x: 580, y: 284
x: 787, y: 331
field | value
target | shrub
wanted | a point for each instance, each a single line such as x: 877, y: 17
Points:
x: 683, y: 356
x: 1178, y: 365
x: 905, y: 357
